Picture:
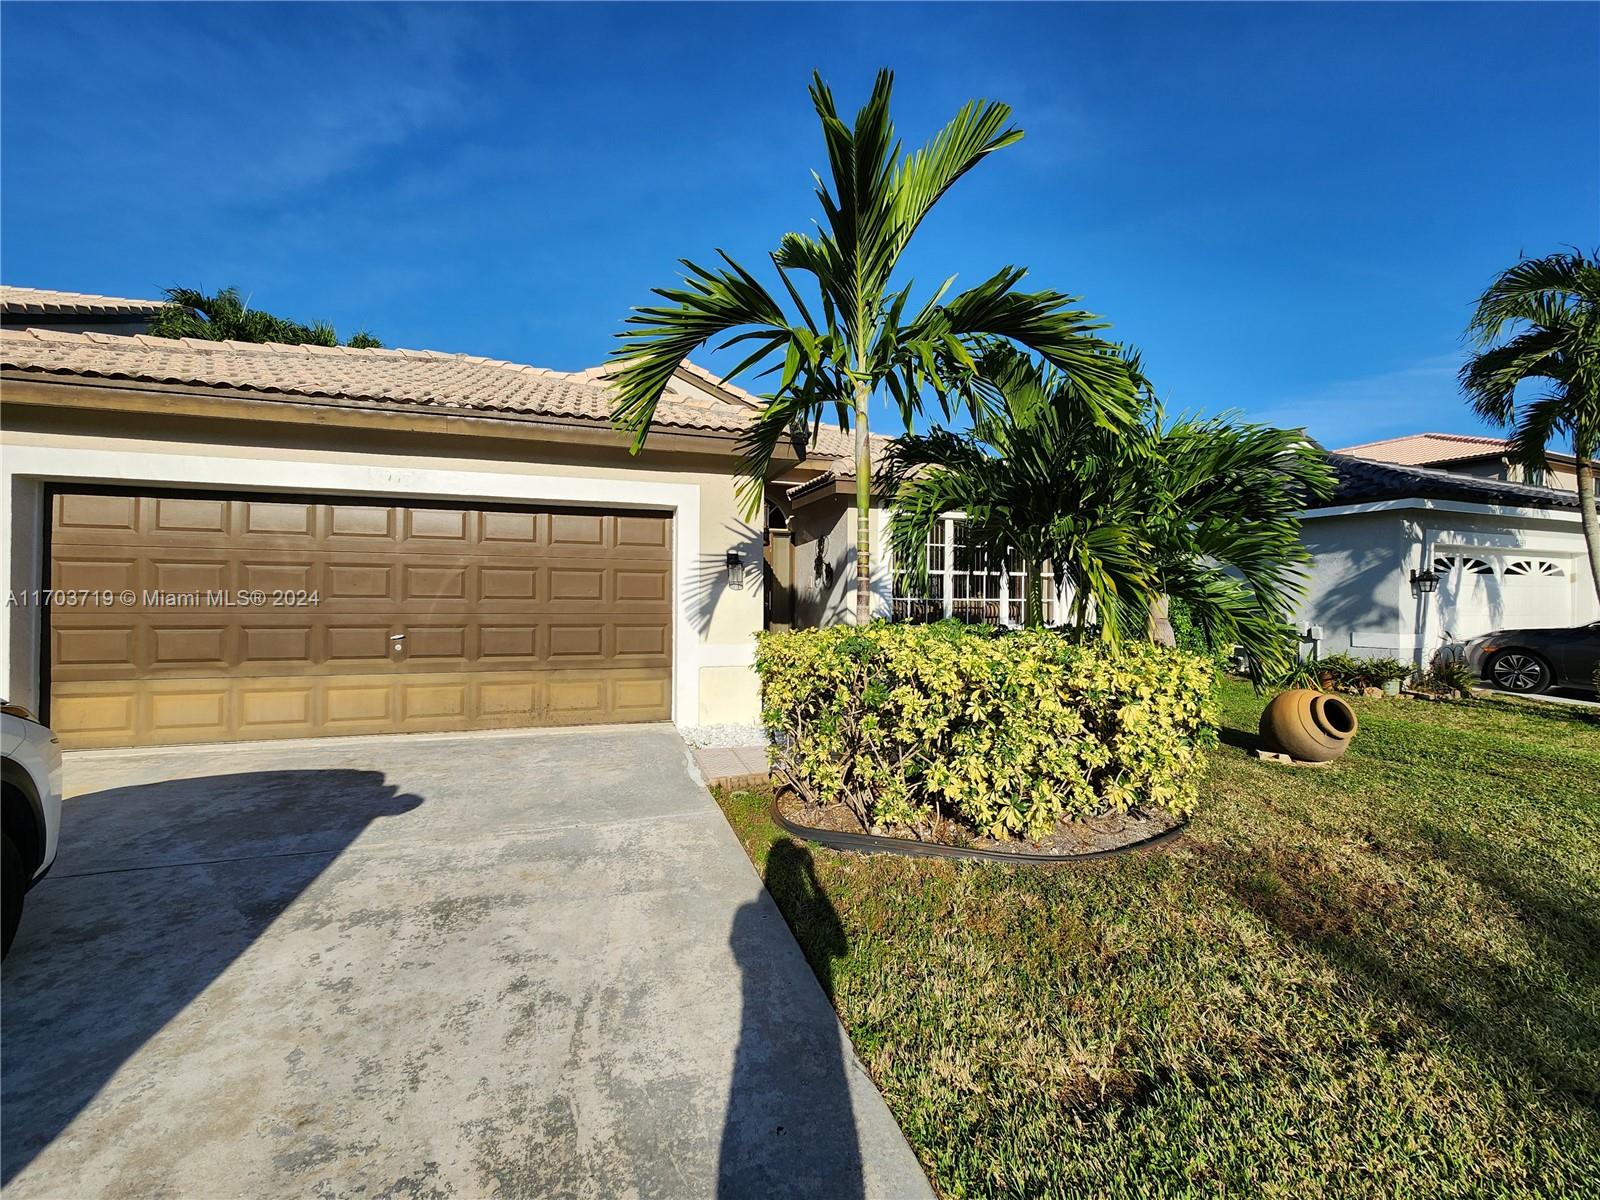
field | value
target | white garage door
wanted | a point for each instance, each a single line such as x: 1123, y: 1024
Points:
x: 1481, y: 591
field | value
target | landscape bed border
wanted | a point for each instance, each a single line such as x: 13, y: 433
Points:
x: 875, y: 843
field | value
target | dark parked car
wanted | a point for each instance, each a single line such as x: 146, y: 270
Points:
x: 1532, y: 660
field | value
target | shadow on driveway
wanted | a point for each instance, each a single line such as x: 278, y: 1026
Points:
x: 174, y: 881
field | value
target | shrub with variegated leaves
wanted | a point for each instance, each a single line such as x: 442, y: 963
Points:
x: 1007, y: 730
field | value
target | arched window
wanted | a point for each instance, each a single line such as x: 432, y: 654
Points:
x: 1468, y: 565
x: 1533, y: 566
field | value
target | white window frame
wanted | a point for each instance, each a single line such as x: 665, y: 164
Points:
x: 1055, y: 592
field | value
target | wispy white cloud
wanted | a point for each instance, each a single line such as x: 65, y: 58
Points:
x: 1419, y: 396
x: 263, y: 117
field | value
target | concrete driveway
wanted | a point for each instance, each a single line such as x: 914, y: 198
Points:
x: 535, y: 964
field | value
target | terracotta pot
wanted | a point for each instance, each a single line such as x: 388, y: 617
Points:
x: 1308, y: 725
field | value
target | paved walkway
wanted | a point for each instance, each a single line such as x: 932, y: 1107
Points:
x: 1570, y: 697
x: 734, y: 766
x: 535, y: 964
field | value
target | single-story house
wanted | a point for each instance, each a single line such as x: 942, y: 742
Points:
x: 243, y: 541
x: 249, y: 541
x: 1496, y: 555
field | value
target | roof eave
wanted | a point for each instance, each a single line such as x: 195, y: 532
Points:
x: 43, y: 389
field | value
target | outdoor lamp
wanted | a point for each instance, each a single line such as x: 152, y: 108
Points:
x: 1424, y: 582
x: 735, y: 563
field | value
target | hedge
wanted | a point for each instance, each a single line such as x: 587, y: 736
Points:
x: 1009, y: 730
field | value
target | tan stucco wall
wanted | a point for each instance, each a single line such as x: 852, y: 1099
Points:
x: 147, y: 448
x: 824, y: 535
x: 1559, y: 476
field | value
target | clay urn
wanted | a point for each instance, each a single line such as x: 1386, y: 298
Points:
x: 1308, y: 725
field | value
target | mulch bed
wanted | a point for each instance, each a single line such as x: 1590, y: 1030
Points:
x: 1108, y: 831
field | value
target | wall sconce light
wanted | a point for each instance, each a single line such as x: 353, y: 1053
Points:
x: 1424, y: 582
x: 735, y: 564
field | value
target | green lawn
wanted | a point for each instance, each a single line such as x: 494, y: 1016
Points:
x: 1379, y: 978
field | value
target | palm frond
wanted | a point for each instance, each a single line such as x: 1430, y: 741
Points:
x: 712, y: 302
x: 1533, y: 289
x: 1490, y: 379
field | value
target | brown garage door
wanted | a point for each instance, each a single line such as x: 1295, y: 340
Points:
x: 203, y: 618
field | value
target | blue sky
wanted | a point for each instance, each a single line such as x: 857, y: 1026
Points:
x: 1289, y: 208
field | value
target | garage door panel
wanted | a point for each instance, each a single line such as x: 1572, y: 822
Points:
x: 278, y: 522
x: 646, y: 587
x: 578, y: 643
x: 359, y: 705
x: 511, y: 584
x: 286, y: 575
x: 95, y: 718
x: 641, y: 641
x: 439, y: 525
x: 577, y: 530
x: 362, y: 581
x: 642, y: 696
x: 96, y: 572
x: 277, y: 710
x: 510, y: 532
x: 577, y: 583
x: 191, y: 516
x: 287, y: 643
x: 191, y: 646
x: 190, y: 712
x: 189, y: 574
x: 361, y: 522
x: 444, y: 641
x: 96, y: 516
x: 501, y: 641
x: 276, y: 617
x: 434, y: 582
x: 113, y: 644
x: 644, y: 533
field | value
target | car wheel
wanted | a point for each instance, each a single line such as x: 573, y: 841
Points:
x: 15, y: 885
x: 1519, y: 671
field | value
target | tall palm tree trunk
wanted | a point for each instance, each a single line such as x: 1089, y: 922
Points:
x: 863, y: 507
x: 1586, y: 508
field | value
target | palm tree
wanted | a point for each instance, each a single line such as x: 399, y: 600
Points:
x: 861, y: 335
x: 227, y: 317
x: 1202, y: 510
x: 1551, y: 308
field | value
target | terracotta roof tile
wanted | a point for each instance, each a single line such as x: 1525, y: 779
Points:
x: 23, y: 300
x: 467, y: 383
x: 409, y: 378
x: 1420, y: 449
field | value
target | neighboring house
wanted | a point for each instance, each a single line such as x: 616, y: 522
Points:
x: 73, y: 312
x: 1502, y: 555
x: 409, y: 541
x: 1463, y: 454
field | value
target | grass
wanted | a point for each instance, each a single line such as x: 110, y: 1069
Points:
x: 1381, y: 978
